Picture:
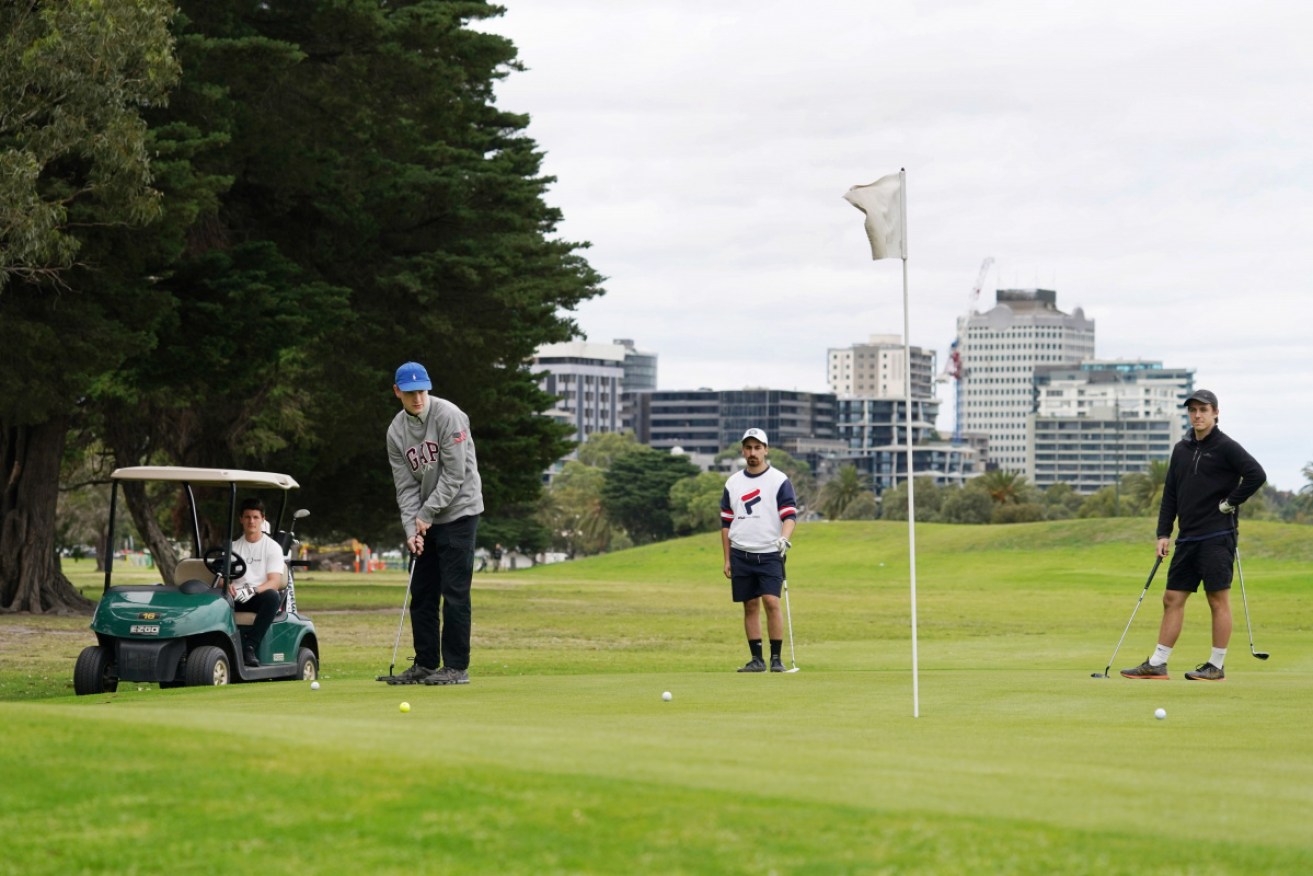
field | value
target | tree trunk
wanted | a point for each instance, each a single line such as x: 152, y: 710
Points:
x: 30, y: 577
x: 143, y: 516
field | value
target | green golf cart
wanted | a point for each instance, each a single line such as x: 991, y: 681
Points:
x: 188, y: 631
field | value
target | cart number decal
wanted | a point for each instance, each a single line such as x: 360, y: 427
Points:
x: 145, y: 629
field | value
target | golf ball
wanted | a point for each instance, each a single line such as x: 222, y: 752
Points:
x: 667, y: 696
x: 1160, y: 713
x: 405, y: 707
x: 314, y: 685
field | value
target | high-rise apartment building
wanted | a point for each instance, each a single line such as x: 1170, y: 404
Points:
x: 876, y: 369
x: 587, y: 380
x: 1000, y: 350
x: 1096, y: 422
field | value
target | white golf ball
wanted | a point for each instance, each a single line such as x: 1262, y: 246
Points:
x: 314, y: 685
x: 667, y: 696
x: 1160, y: 713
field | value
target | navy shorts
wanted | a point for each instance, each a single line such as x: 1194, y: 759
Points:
x: 1209, y: 561
x: 753, y: 575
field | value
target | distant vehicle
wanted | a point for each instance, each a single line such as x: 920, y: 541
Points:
x: 187, y: 631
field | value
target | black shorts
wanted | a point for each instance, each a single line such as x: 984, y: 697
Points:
x: 1209, y: 561
x: 753, y: 575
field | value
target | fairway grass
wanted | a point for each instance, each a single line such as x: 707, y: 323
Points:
x: 561, y: 756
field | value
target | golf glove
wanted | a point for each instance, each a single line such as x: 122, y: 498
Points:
x: 782, y: 545
x: 1225, y: 507
x: 243, y: 593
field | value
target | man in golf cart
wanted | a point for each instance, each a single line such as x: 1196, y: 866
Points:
x: 259, y: 589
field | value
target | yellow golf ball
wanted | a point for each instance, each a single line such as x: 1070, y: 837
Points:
x: 405, y: 707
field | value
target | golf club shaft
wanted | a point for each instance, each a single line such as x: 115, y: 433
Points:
x: 405, y: 603
x: 1244, y: 599
x: 1156, y: 563
x: 793, y: 656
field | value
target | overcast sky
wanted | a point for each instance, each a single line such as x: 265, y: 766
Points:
x: 1152, y: 162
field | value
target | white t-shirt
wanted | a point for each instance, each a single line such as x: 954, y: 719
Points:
x: 261, y: 558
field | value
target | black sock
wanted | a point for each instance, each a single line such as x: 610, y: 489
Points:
x: 754, y: 645
x: 775, y: 645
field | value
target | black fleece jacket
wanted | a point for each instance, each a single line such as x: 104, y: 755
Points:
x: 1199, y: 476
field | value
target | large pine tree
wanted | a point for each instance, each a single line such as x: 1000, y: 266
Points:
x: 341, y: 194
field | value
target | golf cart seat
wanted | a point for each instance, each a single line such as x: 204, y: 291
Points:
x: 193, y: 569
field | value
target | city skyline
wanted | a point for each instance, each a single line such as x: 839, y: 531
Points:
x: 1149, y: 163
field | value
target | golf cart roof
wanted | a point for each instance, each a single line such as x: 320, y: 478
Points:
x: 206, y: 476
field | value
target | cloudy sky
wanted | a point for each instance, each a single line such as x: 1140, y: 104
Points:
x: 1152, y: 162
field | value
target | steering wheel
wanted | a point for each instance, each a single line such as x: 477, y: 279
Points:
x: 213, y: 558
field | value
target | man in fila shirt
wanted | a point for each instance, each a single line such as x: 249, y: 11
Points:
x: 757, y: 515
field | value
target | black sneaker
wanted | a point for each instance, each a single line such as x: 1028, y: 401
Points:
x: 447, y: 675
x: 1146, y: 670
x: 756, y: 664
x: 248, y: 656
x: 414, y: 675
x: 776, y: 664
x: 1206, y: 672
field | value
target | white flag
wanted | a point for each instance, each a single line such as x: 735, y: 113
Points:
x: 882, y: 202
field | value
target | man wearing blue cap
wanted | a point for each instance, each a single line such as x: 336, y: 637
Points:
x: 440, y: 497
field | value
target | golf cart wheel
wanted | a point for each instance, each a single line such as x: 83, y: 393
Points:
x: 95, y: 671
x: 208, y: 666
x: 307, y: 665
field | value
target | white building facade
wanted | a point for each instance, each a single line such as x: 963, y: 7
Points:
x: 1000, y: 351
x: 1098, y: 421
x: 876, y: 369
x: 587, y: 380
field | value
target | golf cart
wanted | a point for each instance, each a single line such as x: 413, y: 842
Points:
x: 188, y: 631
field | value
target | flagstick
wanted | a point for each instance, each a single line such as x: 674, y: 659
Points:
x: 907, y: 401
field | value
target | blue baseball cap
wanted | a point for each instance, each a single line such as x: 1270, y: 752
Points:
x: 413, y: 376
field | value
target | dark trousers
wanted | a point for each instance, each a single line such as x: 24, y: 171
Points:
x: 442, y: 577
x: 265, y: 605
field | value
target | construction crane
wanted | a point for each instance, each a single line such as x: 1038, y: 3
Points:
x: 953, y: 370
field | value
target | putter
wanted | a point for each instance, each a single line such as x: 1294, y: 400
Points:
x: 1261, y: 655
x: 793, y: 656
x: 405, y: 603
x: 1104, y: 674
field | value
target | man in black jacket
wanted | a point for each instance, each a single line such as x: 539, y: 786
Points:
x: 1208, y: 478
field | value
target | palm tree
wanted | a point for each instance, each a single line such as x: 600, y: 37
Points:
x: 840, y: 491
x: 1003, y: 486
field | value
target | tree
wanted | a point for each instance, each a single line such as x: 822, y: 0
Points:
x: 636, y: 492
x: 927, y: 497
x: 1061, y: 502
x: 602, y: 448
x: 971, y: 504
x: 1004, y: 486
x: 843, y: 496
x: 571, y: 510
x: 1102, y: 503
x: 1142, y: 492
x: 1017, y: 512
x: 74, y: 171
x: 72, y: 141
x: 695, y: 503
x: 348, y: 197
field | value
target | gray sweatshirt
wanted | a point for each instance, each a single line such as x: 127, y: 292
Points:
x: 434, y: 466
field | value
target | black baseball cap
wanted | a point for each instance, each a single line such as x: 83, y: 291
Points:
x: 1201, y: 395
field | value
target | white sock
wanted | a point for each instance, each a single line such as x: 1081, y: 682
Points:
x: 1218, y: 658
x: 1160, y: 655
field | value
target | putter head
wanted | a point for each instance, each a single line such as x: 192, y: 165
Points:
x: 1098, y: 675
x: 792, y: 670
x: 1262, y: 655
